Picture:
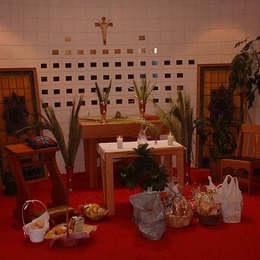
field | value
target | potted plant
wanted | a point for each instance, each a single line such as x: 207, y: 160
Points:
x: 245, y: 71
x: 144, y: 171
x: 179, y: 120
x: 219, y: 133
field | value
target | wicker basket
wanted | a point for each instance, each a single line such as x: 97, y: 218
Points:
x: 178, y: 212
x: 32, y: 230
x: 210, y: 220
x: 209, y: 209
x: 93, y: 209
x: 179, y: 221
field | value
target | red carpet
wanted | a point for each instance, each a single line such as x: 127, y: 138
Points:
x: 117, y: 237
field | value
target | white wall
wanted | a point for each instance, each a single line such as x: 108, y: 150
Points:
x: 203, y: 31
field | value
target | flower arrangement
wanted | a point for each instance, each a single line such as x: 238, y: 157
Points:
x: 103, y: 96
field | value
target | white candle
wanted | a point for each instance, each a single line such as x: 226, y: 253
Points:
x: 170, y: 139
x: 119, y: 141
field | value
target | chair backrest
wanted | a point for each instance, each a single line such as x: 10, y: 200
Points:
x: 249, y: 141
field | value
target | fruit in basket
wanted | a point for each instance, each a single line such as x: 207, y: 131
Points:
x: 60, y: 230
x: 40, y: 223
x: 92, y: 210
x: 37, y: 224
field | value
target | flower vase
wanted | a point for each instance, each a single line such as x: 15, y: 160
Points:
x: 142, y: 107
x: 142, y: 138
x: 103, y: 111
x: 69, y: 171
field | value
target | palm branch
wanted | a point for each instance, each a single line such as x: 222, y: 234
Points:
x: 51, y: 123
x: 103, y: 95
x: 144, y: 91
x: 179, y: 120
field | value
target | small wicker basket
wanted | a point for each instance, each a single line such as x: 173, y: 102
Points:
x: 35, y: 233
x: 93, y: 209
x: 210, y: 220
x: 209, y: 211
x: 179, y: 221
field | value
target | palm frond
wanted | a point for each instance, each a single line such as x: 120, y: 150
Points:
x: 74, y: 132
x: 179, y: 120
x: 50, y: 122
x: 103, y: 96
x: 144, y: 90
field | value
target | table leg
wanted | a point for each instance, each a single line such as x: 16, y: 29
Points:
x: 180, y: 166
x: 168, y: 163
x: 90, y: 156
x: 104, y: 184
x: 109, y: 185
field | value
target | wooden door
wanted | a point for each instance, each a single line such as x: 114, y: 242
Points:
x: 211, y: 81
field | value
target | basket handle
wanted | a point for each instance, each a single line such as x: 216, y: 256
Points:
x: 88, y: 200
x: 26, y: 204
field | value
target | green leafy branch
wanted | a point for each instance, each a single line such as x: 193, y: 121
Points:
x: 103, y: 95
x: 144, y: 91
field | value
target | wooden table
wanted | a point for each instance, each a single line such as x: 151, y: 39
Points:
x: 94, y: 132
x: 109, y: 151
x: 16, y: 155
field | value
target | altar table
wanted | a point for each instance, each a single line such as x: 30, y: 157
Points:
x: 94, y: 132
x: 109, y: 151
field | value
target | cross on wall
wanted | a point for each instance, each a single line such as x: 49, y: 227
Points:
x: 103, y: 24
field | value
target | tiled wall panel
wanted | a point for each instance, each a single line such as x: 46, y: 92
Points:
x: 163, y: 39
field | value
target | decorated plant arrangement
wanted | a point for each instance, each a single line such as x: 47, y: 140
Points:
x: 143, y: 90
x: 103, y: 97
x: 144, y: 171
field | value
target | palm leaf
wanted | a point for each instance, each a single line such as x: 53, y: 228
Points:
x: 103, y: 95
x: 50, y: 122
x: 144, y: 91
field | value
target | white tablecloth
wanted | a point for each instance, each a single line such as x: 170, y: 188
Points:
x: 128, y: 146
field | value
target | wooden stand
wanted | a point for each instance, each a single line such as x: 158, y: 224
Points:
x: 59, y: 193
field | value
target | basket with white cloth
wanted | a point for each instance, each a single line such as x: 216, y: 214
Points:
x: 37, y: 228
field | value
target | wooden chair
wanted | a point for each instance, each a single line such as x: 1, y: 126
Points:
x: 247, y: 156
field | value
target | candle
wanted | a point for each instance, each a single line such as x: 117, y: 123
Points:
x: 119, y: 141
x: 170, y: 139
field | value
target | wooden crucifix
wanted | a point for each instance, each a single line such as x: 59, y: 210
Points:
x: 103, y: 24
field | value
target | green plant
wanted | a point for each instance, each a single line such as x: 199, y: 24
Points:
x: 245, y: 70
x: 143, y: 89
x: 144, y: 171
x: 179, y: 120
x: 103, y: 96
x: 219, y: 133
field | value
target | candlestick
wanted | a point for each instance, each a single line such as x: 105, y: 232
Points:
x: 119, y: 141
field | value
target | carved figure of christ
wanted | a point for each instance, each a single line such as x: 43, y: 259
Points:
x: 103, y: 24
